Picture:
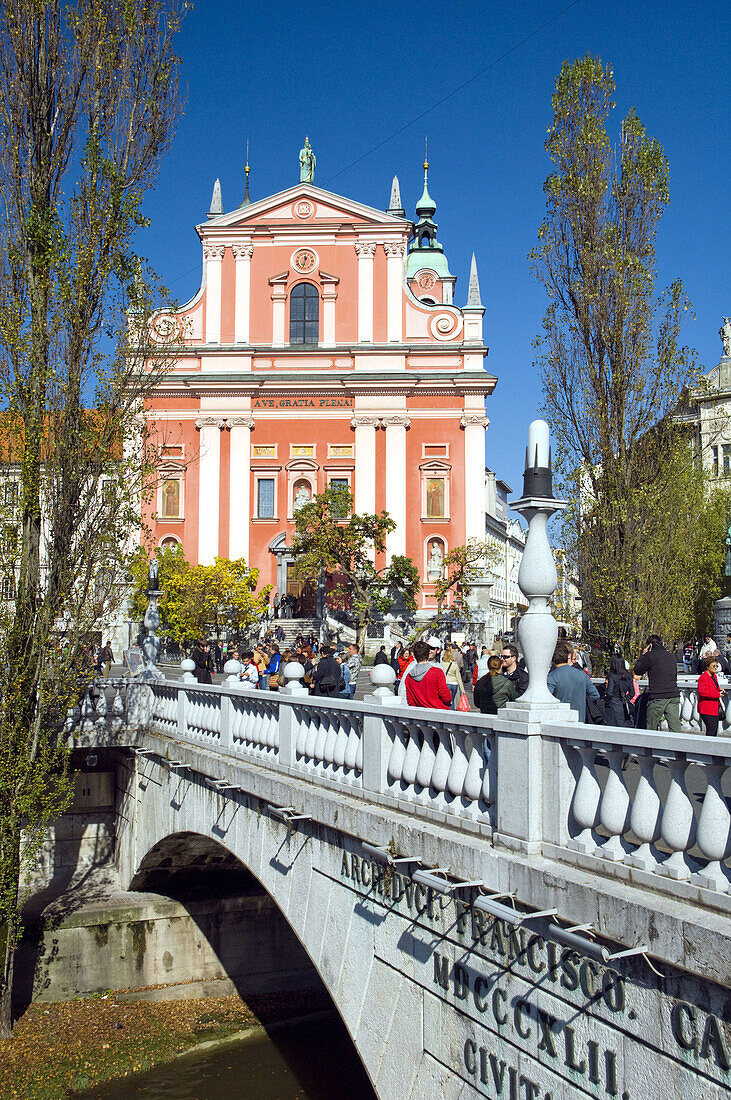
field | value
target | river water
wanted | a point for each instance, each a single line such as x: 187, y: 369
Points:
x: 313, y: 1060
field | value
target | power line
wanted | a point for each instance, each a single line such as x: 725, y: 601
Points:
x: 464, y: 84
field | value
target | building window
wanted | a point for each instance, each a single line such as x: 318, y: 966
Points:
x: 7, y: 587
x: 170, y: 498
x: 339, y: 483
x: 304, y: 314
x: 726, y: 451
x: 265, y: 498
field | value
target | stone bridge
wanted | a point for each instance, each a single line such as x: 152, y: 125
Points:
x: 513, y: 907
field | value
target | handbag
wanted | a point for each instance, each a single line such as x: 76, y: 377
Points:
x: 462, y: 703
x: 274, y: 680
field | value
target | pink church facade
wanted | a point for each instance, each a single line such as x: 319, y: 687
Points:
x: 322, y: 347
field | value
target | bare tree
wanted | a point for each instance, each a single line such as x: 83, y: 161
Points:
x: 88, y: 103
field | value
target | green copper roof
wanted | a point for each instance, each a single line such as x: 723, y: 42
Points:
x: 431, y: 258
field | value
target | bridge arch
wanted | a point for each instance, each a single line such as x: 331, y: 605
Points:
x: 187, y: 866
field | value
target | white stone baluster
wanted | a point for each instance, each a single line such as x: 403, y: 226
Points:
x: 645, y: 815
x: 398, y: 750
x: 333, y: 725
x: 489, y: 784
x: 352, y: 747
x: 678, y: 822
x: 714, y: 825
x: 322, y: 732
x: 341, y: 744
x: 359, y: 749
x: 614, y: 807
x: 313, y: 728
x: 442, y: 760
x: 427, y: 756
x: 585, y: 804
x: 302, y: 732
x: 473, y: 775
x: 412, y: 755
x: 458, y: 765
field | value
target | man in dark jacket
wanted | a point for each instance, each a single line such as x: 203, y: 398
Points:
x: 203, y: 661
x: 663, y: 700
x: 326, y: 677
x: 381, y: 657
x: 517, y: 675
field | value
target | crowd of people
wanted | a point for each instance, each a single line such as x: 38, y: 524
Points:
x: 328, y: 671
x: 443, y: 675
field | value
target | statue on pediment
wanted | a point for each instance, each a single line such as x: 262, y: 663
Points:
x: 725, y: 333
x: 308, y: 160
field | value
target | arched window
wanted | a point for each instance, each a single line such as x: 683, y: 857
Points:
x: 304, y: 314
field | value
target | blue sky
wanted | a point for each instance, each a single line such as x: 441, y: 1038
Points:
x: 352, y: 75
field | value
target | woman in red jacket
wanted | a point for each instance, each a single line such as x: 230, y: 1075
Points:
x: 709, y: 696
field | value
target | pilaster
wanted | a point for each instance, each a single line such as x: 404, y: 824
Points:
x: 474, y: 425
x: 365, y: 251
x: 242, y: 254
x: 209, y: 482
x: 394, y: 290
x: 239, y: 496
x: 396, y: 426
x: 365, y: 464
x: 213, y: 255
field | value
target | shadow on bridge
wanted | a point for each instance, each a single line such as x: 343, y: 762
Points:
x: 255, y: 946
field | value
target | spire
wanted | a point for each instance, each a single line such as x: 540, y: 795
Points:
x: 216, y: 201
x: 395, y: 207
x: 473, y: 294
x: 426, y: 205
x: 247, y: 197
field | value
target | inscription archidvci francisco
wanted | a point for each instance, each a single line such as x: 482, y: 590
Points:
x: 700, y: 1037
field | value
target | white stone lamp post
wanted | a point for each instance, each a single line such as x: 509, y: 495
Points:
x: 538, y: 630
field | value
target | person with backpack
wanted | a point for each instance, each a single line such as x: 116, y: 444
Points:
x: 326, y: 677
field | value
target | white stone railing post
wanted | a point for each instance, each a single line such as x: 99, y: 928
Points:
x: 377, y: 744
x: 294, y: 688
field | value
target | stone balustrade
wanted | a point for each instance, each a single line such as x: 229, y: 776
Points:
x: 647, y: 808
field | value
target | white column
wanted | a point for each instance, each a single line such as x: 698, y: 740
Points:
x: 242, y: 254
x: 365, y: 253
x: 365, y: 465
x: 213, y: 254
x: 239, y: 502
x: 394, y: 295
x: 396, y: 483
x: 209, y: 483
x: 474, y: 474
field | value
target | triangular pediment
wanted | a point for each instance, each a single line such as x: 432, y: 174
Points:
x: 290, y: 208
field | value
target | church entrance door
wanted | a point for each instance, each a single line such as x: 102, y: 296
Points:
x: 304, y: 593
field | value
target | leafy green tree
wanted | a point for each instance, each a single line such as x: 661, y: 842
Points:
x: 614, y: 368
x: 331, y: 538
x: 203, y: 599
x: 88, y: 104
